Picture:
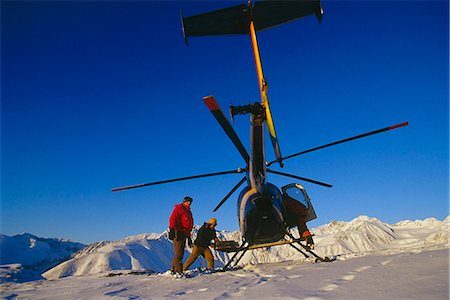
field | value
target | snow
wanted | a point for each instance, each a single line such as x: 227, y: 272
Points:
x: 25, y: 256
x: 422, y: 275
x: 374, y: 260
x: 31, y: 250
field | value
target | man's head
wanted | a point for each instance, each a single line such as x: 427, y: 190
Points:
x: 212, y: 222
x: 187, y: 201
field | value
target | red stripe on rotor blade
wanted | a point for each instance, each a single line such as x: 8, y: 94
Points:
x: 211, y: 103
x: 399, y: 125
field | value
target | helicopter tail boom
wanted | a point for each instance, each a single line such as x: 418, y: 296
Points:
x: 263, y: 86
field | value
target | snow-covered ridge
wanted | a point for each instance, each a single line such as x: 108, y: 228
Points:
x: 138, y: 254
x: 153, y: 252
x: 361, y: 236
x: 30, y: 250
x: 32, y: 254
x: 420, y: 223
x: 143, y: 252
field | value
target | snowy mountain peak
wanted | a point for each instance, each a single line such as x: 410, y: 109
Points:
x: 34, y: 253
x: 363, y: 218
x: 25, y: 235
x: 428, y: 222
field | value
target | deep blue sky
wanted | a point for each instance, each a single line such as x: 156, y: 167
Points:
x: 96, y: 95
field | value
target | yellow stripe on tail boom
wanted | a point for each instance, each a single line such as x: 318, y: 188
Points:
x: 263, y: 86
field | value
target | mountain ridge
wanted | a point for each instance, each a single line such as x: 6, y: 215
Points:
x: 153, y: 252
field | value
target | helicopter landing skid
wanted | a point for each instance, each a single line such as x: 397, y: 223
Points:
x: 240, y: 251
x: 309, y: 250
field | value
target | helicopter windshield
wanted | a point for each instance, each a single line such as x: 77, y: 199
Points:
x: 297, y: 194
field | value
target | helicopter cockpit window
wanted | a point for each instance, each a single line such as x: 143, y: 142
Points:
x: 297, y: 194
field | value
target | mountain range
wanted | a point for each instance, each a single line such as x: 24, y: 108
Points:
x: 25, y: 257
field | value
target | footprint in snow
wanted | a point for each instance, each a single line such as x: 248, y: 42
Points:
x: 383, y: 263
x: 363, y: 268
x: 268, y: 275
x: 330, y: 287
x: 348, y: 277
x: 288, y: 277
x: 116, y: 292
x: 180, y: 293
x: 262, y: 281
x: 239, y: 275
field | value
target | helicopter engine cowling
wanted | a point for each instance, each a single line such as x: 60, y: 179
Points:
x: 261, y: 215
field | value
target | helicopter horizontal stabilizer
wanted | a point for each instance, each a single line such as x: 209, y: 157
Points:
x: 214, y: 107
x: 236, y: 19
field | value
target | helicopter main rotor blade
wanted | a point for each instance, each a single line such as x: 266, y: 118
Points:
x: 177, y: 179
x: 230, y: 193
x: 213, y: 106
x: 343, y: 141
x: 301, y: 178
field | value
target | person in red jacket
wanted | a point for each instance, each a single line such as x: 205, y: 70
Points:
x: 181, y: 223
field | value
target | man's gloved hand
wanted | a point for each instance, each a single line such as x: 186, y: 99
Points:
x: 189, y: 240
x: 171, y: 234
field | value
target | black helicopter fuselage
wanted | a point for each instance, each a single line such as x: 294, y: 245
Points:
x: 261, y: 214
x: 260, y: 207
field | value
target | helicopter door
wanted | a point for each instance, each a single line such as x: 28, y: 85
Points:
x: 298, y: 192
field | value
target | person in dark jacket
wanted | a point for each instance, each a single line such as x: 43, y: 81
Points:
x: 181, y: 223
x: 205, y: 234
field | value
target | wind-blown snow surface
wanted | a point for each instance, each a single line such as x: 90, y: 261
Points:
x: 374, y: 260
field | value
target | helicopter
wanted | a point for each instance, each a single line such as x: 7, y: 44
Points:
x: 262, y: 216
